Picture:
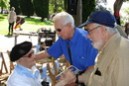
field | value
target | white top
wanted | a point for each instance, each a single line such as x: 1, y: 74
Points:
x: 12, y: 17
x: 22, y: 76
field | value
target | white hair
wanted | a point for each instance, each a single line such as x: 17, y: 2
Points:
x: 64, y: 18
x: 109, y: 29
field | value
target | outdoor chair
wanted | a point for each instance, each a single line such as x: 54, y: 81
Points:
x: 55, y: 67
x: 45, y: 38
x: 6, y: 67
x: 11, y: 64
x: 3, y: 70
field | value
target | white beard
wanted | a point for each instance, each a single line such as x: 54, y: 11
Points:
x: 98, y: 45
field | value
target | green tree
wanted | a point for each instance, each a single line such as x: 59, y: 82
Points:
x: 56, y: 6
x: 88, y: 7
x: 117, y: 6
x: 84, y: 8
x: 27, y: 7
x: 65, y: 4
x: 41, y: 8
x: 15, y: 4
x: 4, y: 4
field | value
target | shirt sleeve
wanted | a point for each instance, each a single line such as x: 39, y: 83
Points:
x: 55, y: 50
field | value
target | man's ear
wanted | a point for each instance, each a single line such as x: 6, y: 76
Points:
x: 104, y: 31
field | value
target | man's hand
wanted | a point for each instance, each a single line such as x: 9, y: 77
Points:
x: 72, y: 84
x: 67, y: 78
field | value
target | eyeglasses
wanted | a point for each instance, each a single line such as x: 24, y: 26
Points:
x: 58, y: 30
x: 30, y: 54
x: 90, y: 30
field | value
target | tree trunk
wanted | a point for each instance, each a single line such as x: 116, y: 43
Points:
x: 56, y: 6
x: 78, y: 16
x: 2, y: 10
x: 117, y: 7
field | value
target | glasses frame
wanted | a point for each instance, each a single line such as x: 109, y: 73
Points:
x: 58, y: 30
x: 89, y: 31
x: 30, y: 54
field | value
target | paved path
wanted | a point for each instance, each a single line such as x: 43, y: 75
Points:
x: 6, y: 43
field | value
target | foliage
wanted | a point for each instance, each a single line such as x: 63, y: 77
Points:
x: 41, y: 8
x: 126, y: 10
x: 56, y: 6
x: 125, y: 0
x: 4, y: 3
x: 15, y: 4
x: 2, y: 17
x: 125, y: 17
x: 65, y: 4
x: 27, y: 7
x: 31, y: 24
x: 88, y: 7
x: 71, y: 6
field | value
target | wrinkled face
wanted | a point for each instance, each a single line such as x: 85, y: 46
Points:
x: 28, y: 59
x: 64, y: 31
x: 96, y: 35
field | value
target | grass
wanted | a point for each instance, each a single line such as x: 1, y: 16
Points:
x: 31, y: 24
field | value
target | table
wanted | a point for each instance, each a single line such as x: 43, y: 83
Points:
x: 25, y: 33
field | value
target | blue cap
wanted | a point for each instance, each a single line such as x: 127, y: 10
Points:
x: 101, y: 17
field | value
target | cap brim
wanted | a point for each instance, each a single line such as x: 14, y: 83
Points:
x: 85, y: 23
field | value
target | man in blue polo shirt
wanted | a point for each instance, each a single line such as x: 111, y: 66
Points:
x: 72, y: 43
x: 82, y: 52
